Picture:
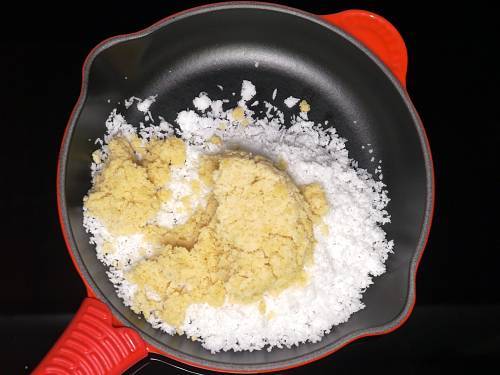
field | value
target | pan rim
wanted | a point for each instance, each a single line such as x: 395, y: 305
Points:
x: 268, y: 366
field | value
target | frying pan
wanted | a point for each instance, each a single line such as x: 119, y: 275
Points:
x: 350, y: 65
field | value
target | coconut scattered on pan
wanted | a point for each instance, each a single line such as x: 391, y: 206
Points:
x: 291, y: 101
x: 233, y: 226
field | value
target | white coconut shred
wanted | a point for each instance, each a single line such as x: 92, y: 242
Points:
x: 346, y: 258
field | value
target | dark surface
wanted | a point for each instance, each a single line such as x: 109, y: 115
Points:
x: 297, y: 56
x: 436, y: 338
x: 452, y: 80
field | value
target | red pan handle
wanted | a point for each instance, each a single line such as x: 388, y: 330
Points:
x: 378, y: 35
x: 91, y: 345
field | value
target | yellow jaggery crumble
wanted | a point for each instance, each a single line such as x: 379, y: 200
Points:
x: 183, y: 235
x: 129, y: 190
x: 315, y: 196
x: 304, y: 106
x: 238, y: 113
x: 282, y: 164
x: 215, y: 140
x: 254, y: 236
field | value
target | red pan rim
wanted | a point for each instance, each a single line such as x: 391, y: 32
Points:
x: 376, y: 331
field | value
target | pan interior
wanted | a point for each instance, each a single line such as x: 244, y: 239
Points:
x: 299, y: 57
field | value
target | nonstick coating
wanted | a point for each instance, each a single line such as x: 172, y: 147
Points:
x: 301, y: 56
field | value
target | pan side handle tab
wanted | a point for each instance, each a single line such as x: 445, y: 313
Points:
x: 378, y: 35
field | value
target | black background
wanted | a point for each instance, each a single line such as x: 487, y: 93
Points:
x: 452, y: 79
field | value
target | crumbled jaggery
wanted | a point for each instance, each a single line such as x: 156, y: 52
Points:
x: 160, y: 155
x: 129, y: 190
x: 185, y: 235
x: 238, y: 114
x: 304, y: 106
x: 315, y: 196
x: 257, y: 238
x: 253, y: 237
x: 215, y: 140
x: 123, y: 197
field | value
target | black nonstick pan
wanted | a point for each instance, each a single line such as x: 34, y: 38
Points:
x: 351, y: 65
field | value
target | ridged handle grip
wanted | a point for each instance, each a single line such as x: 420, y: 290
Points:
x: 378, y: 35
x: 90, y: 345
